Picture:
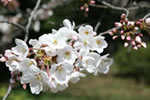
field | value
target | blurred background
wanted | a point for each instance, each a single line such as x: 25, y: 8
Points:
x: 129, y: 76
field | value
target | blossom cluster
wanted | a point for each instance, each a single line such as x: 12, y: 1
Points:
x: 57, y: 58
x: 129, y: 32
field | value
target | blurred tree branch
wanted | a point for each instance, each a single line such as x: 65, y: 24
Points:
x: 26, y: 30
x: 30, y: 20
x: 14, y: 24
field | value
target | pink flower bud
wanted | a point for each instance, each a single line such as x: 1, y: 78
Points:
x: 82, y: 8
x: 144, y: 44
x: 131, y: 23
x: 110, y: 33
x: 128, y: 38
x: 3, y: 59
x: 126, y: 21
x: 135, y: 48
x: 138, y: 23
x: 133, y: 43
x: 8, y: 53
x: 121, y: 32
x: 92, y: 1
x: 114, y: 30
x: 147, y: 21
x: 126, y: 44
x: 136, y: 28
x: 139, y: 34
x: 138, y: 39
x: 139, y: 45
x: 121, y: 21
x: 114, y: 37
x: 123, y: 16
x: 86, y: 9
x: 24, y: 86
x: 122, y: 37
x: 117, y: 24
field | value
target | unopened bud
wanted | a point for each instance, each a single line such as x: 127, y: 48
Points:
x: 114, y: 37
x: 128, y: 38
x: 92, y: 1
x: 131, y: 23
x: 110, y: 33
x: 138, y: 23
x: 117, y: 24
x: 121, y: 32
x: 133, y: 43
x: 139, y: 45
x: 82, y: 8
x: 126, y: 44
x: 114, y: 30
x: 86, y: 9
x: 122, y: 37
x: 123, y: 16
x: 147, y: 21
x: 24, y: 86
x: 136, y: 28
x: 144, y: 44
x: 135, y: 48
x: 138, y: 39
x: 3, y: 59
x: 139, y: 34
x: 126, y: 21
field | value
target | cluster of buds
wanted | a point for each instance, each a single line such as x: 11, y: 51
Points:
x: 85, y: 6
x: 129, y: 32
x: 57, y: 58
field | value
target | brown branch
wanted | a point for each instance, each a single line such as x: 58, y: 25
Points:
x: 30, y: 19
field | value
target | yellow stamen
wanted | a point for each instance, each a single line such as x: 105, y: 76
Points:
x: 98, y: 41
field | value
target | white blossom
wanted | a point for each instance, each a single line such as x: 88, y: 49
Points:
x: 99, y: 44
x: 37, y: 80
x: 21, y: 49
x: 67, y: 54
x: 103, y: 65
x: 28, y: 65
x: 13, y: 63
x: 60, y: 72
x: 75, y: 76
x: 55, y: 41
x: 86, y: 31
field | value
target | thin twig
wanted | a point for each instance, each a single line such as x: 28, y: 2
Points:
x: 98, y: 6
x: 30, y: 19
x: 109, y: 30
x: 116, y: 8
x: 97, y: 26
x: 8, y: 92
x: 138, y: 7
x: 14, y: 24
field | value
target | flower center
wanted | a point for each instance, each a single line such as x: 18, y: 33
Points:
x: 67, y: 53
x: 55, y: 42
x: 38, y: 76
x: 85, y: 42
x: 59, y: 68
x: 86, y: 32
x: 98, y: 41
